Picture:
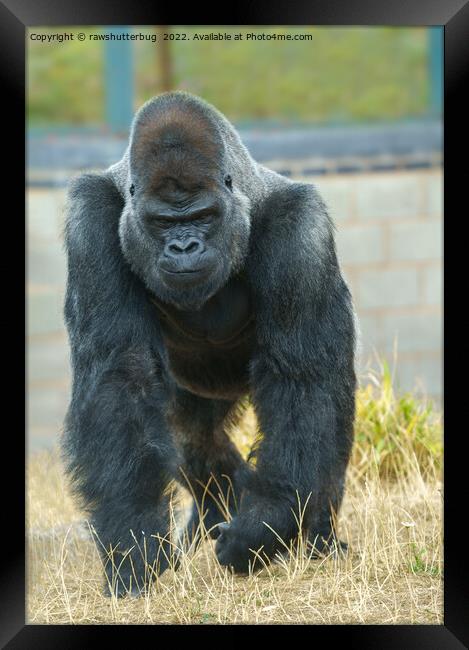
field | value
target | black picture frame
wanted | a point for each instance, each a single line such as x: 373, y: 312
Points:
x: 15, y: 17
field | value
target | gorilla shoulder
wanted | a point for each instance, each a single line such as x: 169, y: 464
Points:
x: 292, y: 235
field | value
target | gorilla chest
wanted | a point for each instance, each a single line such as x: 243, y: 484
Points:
x: 221, y: 323
x: 209, y: 349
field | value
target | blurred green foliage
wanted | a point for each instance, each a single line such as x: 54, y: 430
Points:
x: 343, y: 73
x: 64, y: 80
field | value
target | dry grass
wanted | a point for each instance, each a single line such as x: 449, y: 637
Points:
x: 391, y: 518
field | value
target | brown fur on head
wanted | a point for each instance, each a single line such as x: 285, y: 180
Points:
x: 174, y: 144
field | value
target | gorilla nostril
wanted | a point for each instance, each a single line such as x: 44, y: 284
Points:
x: 175, y: 248
x: 188, y: 246
x: 193, y: 246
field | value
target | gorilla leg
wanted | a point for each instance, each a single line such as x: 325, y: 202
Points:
x: 212, y: 467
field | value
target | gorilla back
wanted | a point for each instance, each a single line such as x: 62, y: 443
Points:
x: 196, y: 276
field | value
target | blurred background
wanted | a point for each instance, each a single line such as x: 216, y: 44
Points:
x: 356, y: 111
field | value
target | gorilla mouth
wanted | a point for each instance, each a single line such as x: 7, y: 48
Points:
x: 185, y: 271
x: 184, y: 277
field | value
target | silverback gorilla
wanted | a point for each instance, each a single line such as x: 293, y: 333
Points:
x: 195, y: 277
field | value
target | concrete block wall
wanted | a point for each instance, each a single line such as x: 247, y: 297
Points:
x: 390, y: 243
x: 48, y: 368
x: 389, y: 240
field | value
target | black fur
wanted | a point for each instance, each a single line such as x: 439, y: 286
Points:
x: 211, y: 278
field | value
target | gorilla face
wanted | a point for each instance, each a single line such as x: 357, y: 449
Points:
x: 185, y: 227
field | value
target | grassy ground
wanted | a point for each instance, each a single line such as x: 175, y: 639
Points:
x: 391, y: 518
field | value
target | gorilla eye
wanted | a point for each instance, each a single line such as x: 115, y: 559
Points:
x: 132, y: 189
x: 229, y: 182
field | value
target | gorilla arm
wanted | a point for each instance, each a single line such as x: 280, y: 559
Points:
x: 116, y: 445
x: 302, y: 377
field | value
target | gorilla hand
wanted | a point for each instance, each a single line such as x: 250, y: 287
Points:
x: 254, y: 536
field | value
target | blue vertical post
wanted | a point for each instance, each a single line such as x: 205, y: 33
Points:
x: 435, y: 58
x: 119, y: 82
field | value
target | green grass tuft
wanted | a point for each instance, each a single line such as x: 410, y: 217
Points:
x: 395, y: 434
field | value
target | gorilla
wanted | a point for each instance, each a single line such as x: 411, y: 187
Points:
x: 197, y: 277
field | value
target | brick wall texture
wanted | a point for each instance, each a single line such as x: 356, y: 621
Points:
x: 390, y: 243
x: 389, y: 240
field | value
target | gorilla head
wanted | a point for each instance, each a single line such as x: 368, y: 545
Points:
x: 185, y: 228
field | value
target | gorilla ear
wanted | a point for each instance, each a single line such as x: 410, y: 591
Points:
x: 132, y: 189
x: 229, y: 182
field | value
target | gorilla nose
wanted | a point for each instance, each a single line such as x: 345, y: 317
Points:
x: 190, y: 246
